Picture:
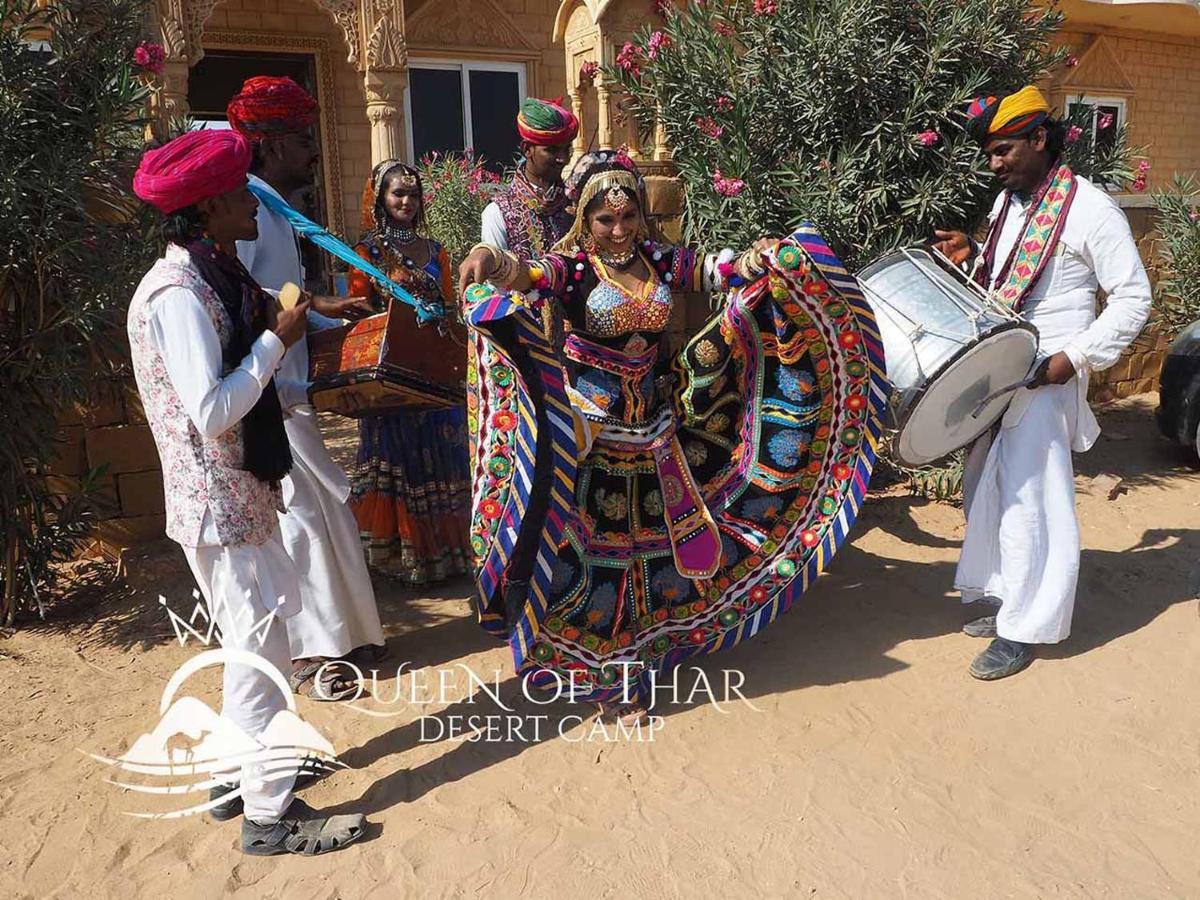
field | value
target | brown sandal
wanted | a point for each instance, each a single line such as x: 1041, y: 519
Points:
x: 331, y: 687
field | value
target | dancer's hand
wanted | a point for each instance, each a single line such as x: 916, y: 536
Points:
x: 341, y: 307
x: 475, y: 269
x: 291, y: 325
x: 954, y: 245
x: 763, y: 247
x: 1057, y: 369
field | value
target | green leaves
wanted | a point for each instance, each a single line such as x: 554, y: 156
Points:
x: 73, y: 245
x: 829, y: 99
x: 1177, y: 293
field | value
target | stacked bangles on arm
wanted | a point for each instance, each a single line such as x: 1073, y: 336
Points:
x: 505, y: 265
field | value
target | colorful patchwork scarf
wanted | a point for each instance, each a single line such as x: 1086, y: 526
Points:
x: 1035, y: 246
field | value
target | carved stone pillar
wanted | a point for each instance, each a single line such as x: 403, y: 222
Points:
x: 604, y: 113
x: 385, y: 112
x: 169, y: 98
x: 579, y: 145
x: 662, y: 151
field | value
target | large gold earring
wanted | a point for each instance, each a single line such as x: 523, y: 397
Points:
x: 589, y: 243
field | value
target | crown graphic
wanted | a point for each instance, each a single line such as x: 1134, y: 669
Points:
x: 202, y: 626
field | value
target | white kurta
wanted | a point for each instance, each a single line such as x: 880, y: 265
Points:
x: 492, y: 228
x: 241, y: 582
x: 319, y: 532
x: 1021, y: 547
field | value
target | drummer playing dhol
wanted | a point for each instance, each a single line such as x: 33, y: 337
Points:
x: 1053, y: 239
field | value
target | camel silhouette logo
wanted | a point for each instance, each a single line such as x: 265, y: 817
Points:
x: 193, y: 749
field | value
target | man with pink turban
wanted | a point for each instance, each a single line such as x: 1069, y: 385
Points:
x: 206, y: 343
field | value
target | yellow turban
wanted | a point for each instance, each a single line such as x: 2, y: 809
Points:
x: 1013, y: 116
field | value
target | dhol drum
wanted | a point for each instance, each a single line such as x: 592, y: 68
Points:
x: 951, y: 352
x: 388, y: 362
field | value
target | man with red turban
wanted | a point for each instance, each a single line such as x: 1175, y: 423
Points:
x: 1054, y: 240
x: 338, y: 614
x: 206, y: 344
x: 529, y: 215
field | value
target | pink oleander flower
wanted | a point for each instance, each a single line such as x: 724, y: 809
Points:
x: 1072, y: 62
x: 1105, y: 122
x: 660, y: 7
x: 1139, y: 183
x: 628, y: 60
x: 1194, y: 215
x: 929, y: 138
x: 723, y: 28
x: 588, y: 70
x: 659, y: 43
x: 1074, y: 133
x: 724, y: 104
x: 825, y: 165
x: 727, y: 187
x: 766, y: 7
x: 149, y: 56
x: 1143, y: 167
x: 709, y: 127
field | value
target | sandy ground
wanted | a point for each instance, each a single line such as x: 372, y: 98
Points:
x: 873, y: 765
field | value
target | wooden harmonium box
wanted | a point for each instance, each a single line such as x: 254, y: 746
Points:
x: 388, y: 362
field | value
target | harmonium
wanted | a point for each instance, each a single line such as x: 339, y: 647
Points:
x: 388, y: 362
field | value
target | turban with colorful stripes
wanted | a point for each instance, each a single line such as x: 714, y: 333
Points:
x: 546, y: 123
x: 1013, y: 116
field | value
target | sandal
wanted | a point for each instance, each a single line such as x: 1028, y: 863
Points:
x: 631, y: 715
x: 332, y: 686
x: 302, y: 830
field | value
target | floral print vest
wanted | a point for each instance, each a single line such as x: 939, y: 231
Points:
x: 199, y: 474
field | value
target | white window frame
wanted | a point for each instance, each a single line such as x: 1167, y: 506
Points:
x: 464, y: 67
x: 1095, y: 101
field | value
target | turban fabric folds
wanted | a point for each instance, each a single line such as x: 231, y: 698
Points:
x: 267, y: 105
x: 1013, y: 116
x: 193, y: 167
x: 546, y: 123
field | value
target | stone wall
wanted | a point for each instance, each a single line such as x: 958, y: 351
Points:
x: 112, y: 435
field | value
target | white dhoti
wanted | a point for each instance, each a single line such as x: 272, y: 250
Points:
x: 338, y: 612
x: 1022, y: 540
x: 240, y: 584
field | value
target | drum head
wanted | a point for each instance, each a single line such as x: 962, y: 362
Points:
x: 940, y: 420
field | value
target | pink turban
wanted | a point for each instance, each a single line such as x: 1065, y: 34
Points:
x: 193, y: 167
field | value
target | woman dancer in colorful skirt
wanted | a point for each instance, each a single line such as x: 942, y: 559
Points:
x: 632, y: 510
x: 410, y: 493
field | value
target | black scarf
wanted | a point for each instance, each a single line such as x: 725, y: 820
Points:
x: 268, y: 456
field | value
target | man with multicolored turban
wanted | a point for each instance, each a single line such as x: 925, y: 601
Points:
x: 1054, y: 240
x: 529, y: 216
x: 338, y: 614
x: 206, y: 344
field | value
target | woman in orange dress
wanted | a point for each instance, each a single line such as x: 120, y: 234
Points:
x: 411, y: 489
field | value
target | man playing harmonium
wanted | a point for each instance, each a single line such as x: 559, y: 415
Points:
x: 338, y: 614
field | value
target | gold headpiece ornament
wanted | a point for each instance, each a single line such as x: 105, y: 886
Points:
x: 407, y: 182
x: 611, y: 183
x: 616, y: 199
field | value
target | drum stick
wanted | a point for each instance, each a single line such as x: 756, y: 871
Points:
x: 1024, y: 382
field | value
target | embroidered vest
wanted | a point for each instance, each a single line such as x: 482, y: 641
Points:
x: 199, y: 473
x: 531, y: 234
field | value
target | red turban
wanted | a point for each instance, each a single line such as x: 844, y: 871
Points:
x: 268, y: 105
x: 193, y: 167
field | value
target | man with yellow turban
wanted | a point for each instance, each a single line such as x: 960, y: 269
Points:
x: 1054, y: 240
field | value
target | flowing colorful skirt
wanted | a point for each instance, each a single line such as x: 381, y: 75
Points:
x: 695, y: 522
x: 411, y: 494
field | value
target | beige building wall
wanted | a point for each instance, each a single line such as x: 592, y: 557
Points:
x: 1159, y: 76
